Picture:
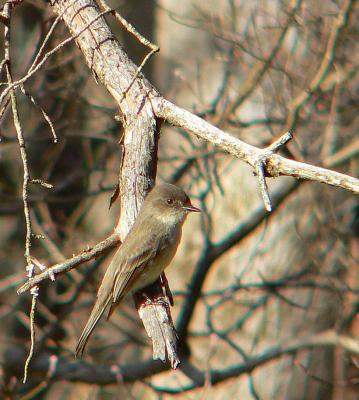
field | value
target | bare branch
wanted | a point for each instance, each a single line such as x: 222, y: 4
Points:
x: 260, y: 172
x: 275, y: 164
x: 43, y: 112
x: 153, y: 47
x: 26, y: 180
x: 34, y: 68
x: 71, y: 263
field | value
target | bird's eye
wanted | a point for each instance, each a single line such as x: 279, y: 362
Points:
x: 170, y: 201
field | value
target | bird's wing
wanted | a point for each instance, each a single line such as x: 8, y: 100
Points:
x: 133, y: 267
x: 124, y: 270
x: 118, y: 279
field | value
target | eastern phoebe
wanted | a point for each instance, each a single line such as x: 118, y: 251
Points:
x: 146, y: 251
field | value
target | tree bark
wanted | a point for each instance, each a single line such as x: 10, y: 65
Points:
x: 111, y: 66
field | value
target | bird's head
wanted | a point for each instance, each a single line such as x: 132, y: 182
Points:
x: 170, y: 202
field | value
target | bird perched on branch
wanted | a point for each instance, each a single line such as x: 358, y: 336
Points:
x: 146, y: 251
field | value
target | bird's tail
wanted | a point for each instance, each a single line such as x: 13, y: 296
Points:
x: 96, y: 314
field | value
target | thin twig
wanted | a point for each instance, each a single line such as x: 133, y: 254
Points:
x: 47, y: 37
x: 43, y: 112
x: 263, y: 184
x: 261, y: 167
x: 47, y: 56
x: 26, y: 180
x: 34, y: 292
x: 2, y: 111
x: 130, y: 28
x: 20, y: 136
x: 71, y: 263
x: 53, y: 360
x: 279, y: 143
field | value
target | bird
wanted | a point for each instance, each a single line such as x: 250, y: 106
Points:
x: 147, y: 250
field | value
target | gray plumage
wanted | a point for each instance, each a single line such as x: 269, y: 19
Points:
x: 146, y: 251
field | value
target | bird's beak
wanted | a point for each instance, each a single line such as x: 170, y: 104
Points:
x: 190, y: 208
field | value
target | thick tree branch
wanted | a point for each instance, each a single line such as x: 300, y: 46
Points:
x: 112, y: 67
x: 275, y: 164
